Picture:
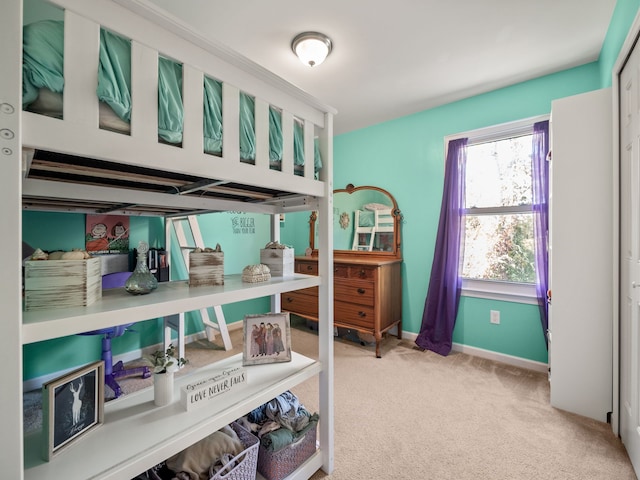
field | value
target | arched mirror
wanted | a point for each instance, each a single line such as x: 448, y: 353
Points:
x: 366, y: 221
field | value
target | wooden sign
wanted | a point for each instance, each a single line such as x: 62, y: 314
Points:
x: 200, y: 392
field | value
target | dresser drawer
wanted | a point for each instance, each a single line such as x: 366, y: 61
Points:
x: 340, y: 271
x: 308, y: 268
x: 352, y: 314
x: 301, y: 302
x: 354, y: 291
x: 362, y: 272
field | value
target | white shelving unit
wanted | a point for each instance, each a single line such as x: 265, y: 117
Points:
x: 136, y: 434
x: 153, y: 434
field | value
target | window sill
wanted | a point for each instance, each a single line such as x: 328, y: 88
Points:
x: 503, y: 291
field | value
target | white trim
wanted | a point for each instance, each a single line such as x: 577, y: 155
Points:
x: 506, y: 210
x: 623, y: 55
x: 489, y: 355
x: 502, y: 291
x: 502, y: 358
x: 486, y: 134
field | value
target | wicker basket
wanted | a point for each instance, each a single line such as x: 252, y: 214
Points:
x: 280, y: 464
x: 245, y: 462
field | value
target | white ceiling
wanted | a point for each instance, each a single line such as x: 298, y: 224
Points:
x: 394, y: 58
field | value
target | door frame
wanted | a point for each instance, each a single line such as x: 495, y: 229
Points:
x: 633, y: 36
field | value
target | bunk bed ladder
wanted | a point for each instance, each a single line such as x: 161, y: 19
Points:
x: 358, y: 232
x: 176, y: 322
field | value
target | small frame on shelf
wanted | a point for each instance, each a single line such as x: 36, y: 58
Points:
x: 267, y: 339
x: 72, y: 406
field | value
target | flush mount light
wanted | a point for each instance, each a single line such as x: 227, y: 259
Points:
x: 311, y: 47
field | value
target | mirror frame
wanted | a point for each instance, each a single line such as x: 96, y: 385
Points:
x: 397, y: 220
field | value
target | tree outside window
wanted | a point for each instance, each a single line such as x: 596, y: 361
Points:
x: 499, y: 239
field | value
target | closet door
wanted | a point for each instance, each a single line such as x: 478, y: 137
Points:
x: 581, y: 267
x: 629, y: 122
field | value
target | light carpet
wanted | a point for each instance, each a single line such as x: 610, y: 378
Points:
x: 417, y: 415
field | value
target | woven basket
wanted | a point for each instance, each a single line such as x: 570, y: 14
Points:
x: 280, y: 464
x: 245, y: 462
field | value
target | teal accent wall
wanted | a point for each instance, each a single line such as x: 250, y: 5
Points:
x: 294, y: 231
x: 406, y: 157
x: 519, y: 333
x: 621, y: 20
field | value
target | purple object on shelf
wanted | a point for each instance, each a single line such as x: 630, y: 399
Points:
x: 111, y: 371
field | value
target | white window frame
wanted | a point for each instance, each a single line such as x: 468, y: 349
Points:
x: 492, y: 289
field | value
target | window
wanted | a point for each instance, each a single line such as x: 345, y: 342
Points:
x: 498, y: 256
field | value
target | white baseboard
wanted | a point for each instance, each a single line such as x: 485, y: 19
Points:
x: 489, y: 355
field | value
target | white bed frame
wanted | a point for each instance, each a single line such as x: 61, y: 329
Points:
x: 135, y: 436
x: 382, y: 223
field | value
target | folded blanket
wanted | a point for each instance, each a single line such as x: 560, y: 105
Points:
x: 281, y: 438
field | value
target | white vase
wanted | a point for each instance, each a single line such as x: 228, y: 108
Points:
x: 162, y: 389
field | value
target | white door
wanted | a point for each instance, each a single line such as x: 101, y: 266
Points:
x: 630, y: 257
x: 581, y: 246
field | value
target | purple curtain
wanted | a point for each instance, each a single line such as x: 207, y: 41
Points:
x: 540, y: 150
x: 443, y: 296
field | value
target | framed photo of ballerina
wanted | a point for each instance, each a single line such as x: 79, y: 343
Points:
x: 267, y: 339
x: 72, y: 406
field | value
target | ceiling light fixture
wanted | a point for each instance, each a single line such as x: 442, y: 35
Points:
x: 311, y: 47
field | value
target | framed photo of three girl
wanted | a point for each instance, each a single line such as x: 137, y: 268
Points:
x: 267, y: 339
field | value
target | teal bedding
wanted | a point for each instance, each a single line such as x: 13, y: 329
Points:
x: 43, y: 67
x: 367, y: 218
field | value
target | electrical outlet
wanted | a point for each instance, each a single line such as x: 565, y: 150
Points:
x: 495, y: 317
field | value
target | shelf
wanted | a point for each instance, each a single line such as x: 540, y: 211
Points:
x: 117, y: 306
x: 137, y: 435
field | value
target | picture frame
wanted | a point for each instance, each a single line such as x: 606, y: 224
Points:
x: 72, y: 406
x: 106, y: 234
x: 267, y: 339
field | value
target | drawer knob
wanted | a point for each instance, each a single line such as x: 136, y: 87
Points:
x: 362, y: 314
x: 361, y: 291
x: 289, y: 299
x: 363, y: 273
x: 309, y: 267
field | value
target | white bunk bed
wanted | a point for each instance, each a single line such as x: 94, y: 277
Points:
x: 368, y: 224
x: 72, y: 165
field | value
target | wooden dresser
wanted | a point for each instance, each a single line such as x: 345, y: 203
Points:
x: 367, y: 294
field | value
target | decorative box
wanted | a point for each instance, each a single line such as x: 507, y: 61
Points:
x: 62, y: 283
x: 206, y: 267
x: 276, y: 465
x: 256, y: 273
x: 279, y: 260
